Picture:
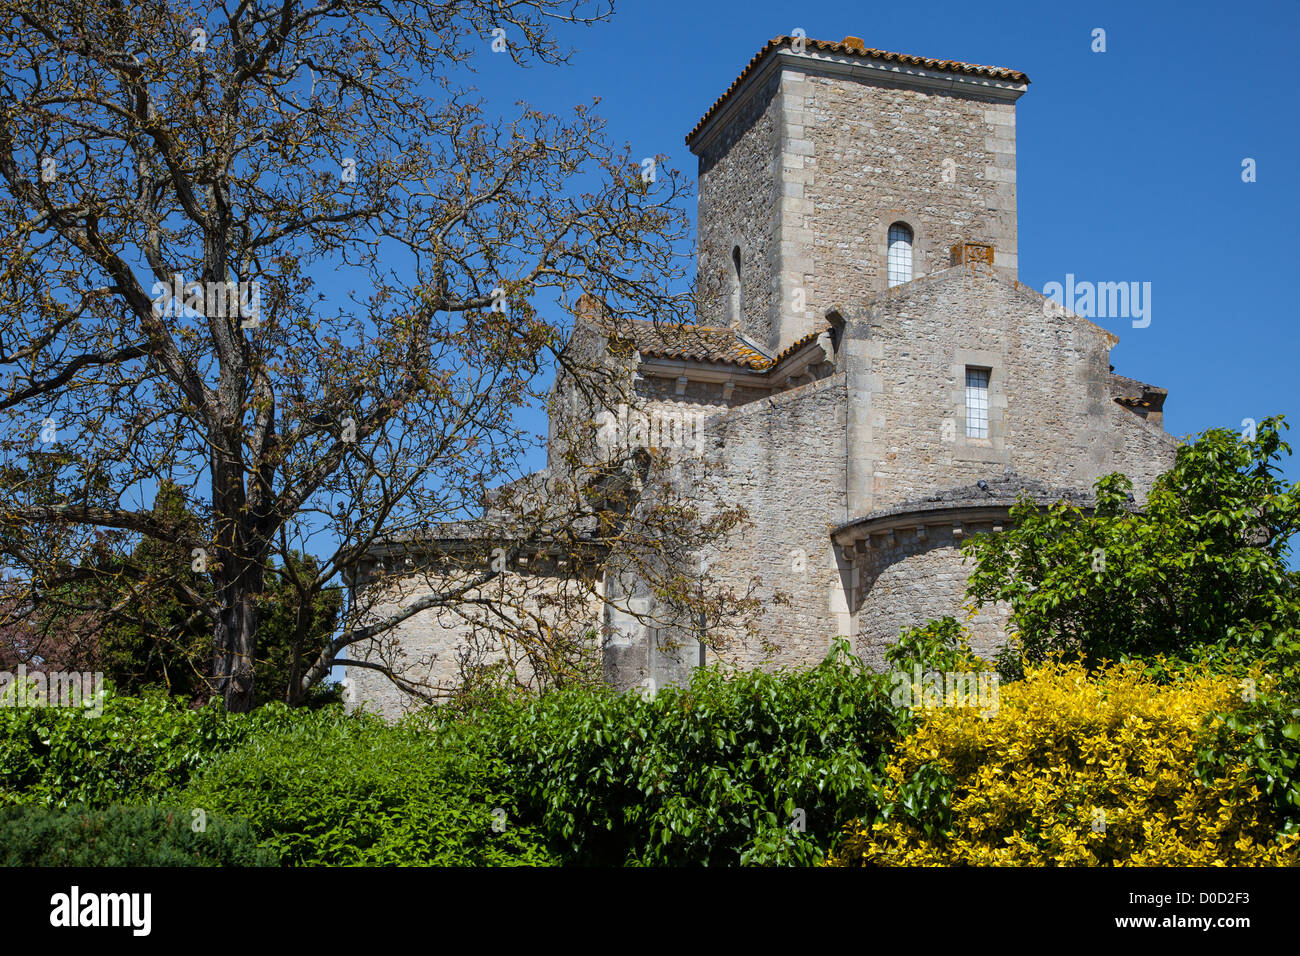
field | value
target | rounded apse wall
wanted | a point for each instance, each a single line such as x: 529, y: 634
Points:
x: 920, y: 576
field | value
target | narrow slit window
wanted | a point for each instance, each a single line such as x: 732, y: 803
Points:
x: 900, y: 254
x: 977, y: 403
x: 735, y: 285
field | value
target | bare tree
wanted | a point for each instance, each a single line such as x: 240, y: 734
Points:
x: 184, y: 196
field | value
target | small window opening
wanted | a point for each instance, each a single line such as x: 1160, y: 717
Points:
x: 977, y: 402
x: 735, y: 285
x: 900, y: 254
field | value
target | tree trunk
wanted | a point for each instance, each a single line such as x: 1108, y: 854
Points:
x: 234, y: 646
x: 303, y: 620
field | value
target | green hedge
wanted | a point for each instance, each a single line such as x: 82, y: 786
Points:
x: 746, y: 768
x: 138, y: 749
x: 1264, y: 735
x: 337, y: 790
x: 124, y: 836
x: 755, y: 768
x: 750, y: 768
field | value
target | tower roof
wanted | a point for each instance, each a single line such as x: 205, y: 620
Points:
x: 854, y: 46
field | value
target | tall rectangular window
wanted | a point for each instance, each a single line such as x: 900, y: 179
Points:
x: 977, y: 402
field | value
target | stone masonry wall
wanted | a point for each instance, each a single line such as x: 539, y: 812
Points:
x: 812, y: 169
x: 1051, y: 416
x: 433, y: 645
x: 915, y: 581
x: 945, y: 164
x: 782, y: 459
x: 739, y: 199
x: 699, y: 397
x: 792, y: 459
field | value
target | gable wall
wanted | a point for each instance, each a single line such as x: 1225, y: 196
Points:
x: 1051, y: 415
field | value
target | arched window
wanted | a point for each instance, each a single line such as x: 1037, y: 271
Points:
x: 735, y: 285
x: 900, y: 254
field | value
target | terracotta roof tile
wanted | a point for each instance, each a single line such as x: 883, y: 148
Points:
x: 700, y: 343
x: 796, y: 345
x: 854, y: 46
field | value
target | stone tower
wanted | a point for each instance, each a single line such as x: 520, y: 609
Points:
x: 817, y: 150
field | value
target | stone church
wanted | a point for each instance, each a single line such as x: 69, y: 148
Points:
x: 868, y: 377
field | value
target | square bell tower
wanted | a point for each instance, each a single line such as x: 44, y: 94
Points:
x: 829, y: 172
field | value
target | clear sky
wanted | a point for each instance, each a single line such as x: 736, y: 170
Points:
x: 1129, y: 161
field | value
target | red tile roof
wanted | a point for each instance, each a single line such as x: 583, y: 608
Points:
x: 702, y: 343
x: 855, y: 46
x: 796, y: 345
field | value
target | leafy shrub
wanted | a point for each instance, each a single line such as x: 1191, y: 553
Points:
x: 123, y: 836
x: 1205, y: 562
x: 1063, y: 754
x: 940, y: 644
x: 1010, y: 661
x: 1263, y: 734
x: 754, y: 767
x: 139, y: 748
x: 332, y: 789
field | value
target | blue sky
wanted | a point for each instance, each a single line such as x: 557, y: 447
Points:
x: 1129, y: 161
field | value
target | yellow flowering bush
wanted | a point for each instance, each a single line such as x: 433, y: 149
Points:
x: 1072, y: 770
